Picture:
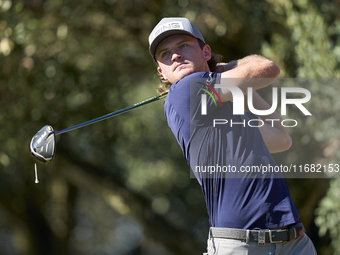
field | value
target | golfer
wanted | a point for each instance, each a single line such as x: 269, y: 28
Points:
x: 249, y: 213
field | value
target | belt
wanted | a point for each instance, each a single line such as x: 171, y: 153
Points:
x: 261, y: 236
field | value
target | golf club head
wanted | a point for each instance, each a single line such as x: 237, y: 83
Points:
x: 42, y: 145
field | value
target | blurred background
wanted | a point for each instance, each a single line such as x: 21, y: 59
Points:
x: 122, y: 186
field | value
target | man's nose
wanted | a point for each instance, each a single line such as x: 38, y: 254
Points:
x: 175, y: 56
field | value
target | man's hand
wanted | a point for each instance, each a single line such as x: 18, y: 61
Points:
x: 274, y: 135
x: 223, y: 67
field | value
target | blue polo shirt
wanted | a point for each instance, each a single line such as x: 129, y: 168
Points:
x: 238, y: 199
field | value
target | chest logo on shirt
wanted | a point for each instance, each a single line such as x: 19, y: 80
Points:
x: 204, y: 98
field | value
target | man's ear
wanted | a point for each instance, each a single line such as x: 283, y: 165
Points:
x: 161, y: 73
x: 207, y: 52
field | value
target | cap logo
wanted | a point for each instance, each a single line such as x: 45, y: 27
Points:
x: 169, y: 26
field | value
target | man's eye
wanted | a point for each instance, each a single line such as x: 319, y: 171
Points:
x: 165, y: 54
x: 183, y: 46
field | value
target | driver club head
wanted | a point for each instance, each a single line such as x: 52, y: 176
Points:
x: 42, y: 145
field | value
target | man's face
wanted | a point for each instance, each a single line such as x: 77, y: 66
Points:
x: 180, y: 55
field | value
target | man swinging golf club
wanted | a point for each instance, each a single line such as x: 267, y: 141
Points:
x: 248, y: 214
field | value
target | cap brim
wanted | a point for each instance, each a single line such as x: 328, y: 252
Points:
x: 164, y: 35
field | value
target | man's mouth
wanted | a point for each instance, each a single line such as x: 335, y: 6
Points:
x: 178, y: 65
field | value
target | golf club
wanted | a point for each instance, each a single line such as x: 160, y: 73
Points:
x: 42, y: 145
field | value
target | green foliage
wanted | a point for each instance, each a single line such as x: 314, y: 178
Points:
x: 308, y: 47
x: 328, y: 215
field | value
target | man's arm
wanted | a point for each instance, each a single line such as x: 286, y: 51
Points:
x: 252, y: 71
x: 258, y: 72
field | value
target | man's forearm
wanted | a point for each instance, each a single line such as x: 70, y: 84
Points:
x: 253, y: 71
x: 254, y: 66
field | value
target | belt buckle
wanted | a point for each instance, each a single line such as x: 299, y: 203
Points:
x: 292, y: 236
x: 261, y: 240
x: 271, y: 237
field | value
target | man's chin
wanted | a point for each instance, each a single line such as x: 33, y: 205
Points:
x: 184, y: 73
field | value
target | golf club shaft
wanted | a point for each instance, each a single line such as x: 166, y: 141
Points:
x: 107, y: 116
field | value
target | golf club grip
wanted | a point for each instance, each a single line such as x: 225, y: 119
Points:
x: 107, y: 116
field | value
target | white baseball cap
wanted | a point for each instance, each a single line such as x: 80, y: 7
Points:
x: 171, y: 26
